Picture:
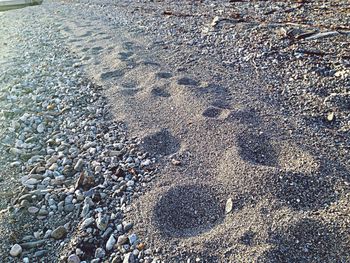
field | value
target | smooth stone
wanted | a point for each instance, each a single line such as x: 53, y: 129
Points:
x: 229, y: 206
x: 102, y: 221
x: 73, y: 259
x: 16, y: 250
x: 122, y: 240
x: 40, y: 128
x: 110, y: 243
x: 129, y: 258
x: 59, y: 232
x: 100, y: 253
x: 79, y: 165
x: 87, y: 222
x: 132, y: 239
x: 33, y: 210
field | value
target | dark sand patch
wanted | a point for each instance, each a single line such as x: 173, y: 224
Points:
x: 187, y: 211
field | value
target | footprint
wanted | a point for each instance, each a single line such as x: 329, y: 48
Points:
x: 161, y: 143
x: 245, y: 116
x: 188, y: 210
x: 308, y: 240
x: 128, y: 45
x: 303, y: 192
x: 248, y: 238
x: 164, y: 75
x: 87, y: 34
x: 112, y: 74
x: 257, y: 149
x: 187, y: 82
x: 160, y: 92
x: 222, y: 104
x: 212, y: 112
x: 150, y: 63
x: 123, y: 56
x: 129, y: 85
x: 96, y: 50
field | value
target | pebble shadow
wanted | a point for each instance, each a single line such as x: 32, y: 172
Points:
x: 187, y: 211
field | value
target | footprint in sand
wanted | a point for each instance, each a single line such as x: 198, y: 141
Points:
x: 308, y: 240
x: 124, y: 56
x: 112, y: 74
x: 160, y: 92
x: 188, y: 210
x: 212, y: 112
x: 257, y: 149
x: 96, y: 50
x: 164, y: 75
x: 161, y: 143
x: 185, y: 81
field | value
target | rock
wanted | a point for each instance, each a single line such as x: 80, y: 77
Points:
x: 102, y: 221
x: 323, y: 35
x: 129, y: 258
x: 215, y: 21
x: 87, y: 222
x: 127, y: 226
x: 100, y: 253
x: 330, y: 116
x: 32, y: 244
x: 79, y: 165
x: 16, y: 250
x: 123, y: 239
x: 73, y: 259
x: 110, y: 243
x: 40, y: 128
x: 132, y: 239
x: 229, y: 206
x: 176, y: 162
x: 59, y: 232
x: 33, y: 210
x: 117, y: 259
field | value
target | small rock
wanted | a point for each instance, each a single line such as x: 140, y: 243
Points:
x: 87, y: 222
x: 132, y: 239
x: 229, y: 206
x: 33, y: 210
x: 73, y: 259
x: 100, y: 253
x: 110, y: 243
x: 330, y: 116
x: 215, y: 21
x: 78, y: 165
x: 16, y: 250
x: 122, y: 240
x: 102, y: 221
x: 59, y: 232
x: 129, y: 258
x: 40, y: 128
x: 117, y: 259
x: 176, y: 162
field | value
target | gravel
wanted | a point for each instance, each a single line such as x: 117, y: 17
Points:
x: 74, y: 171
